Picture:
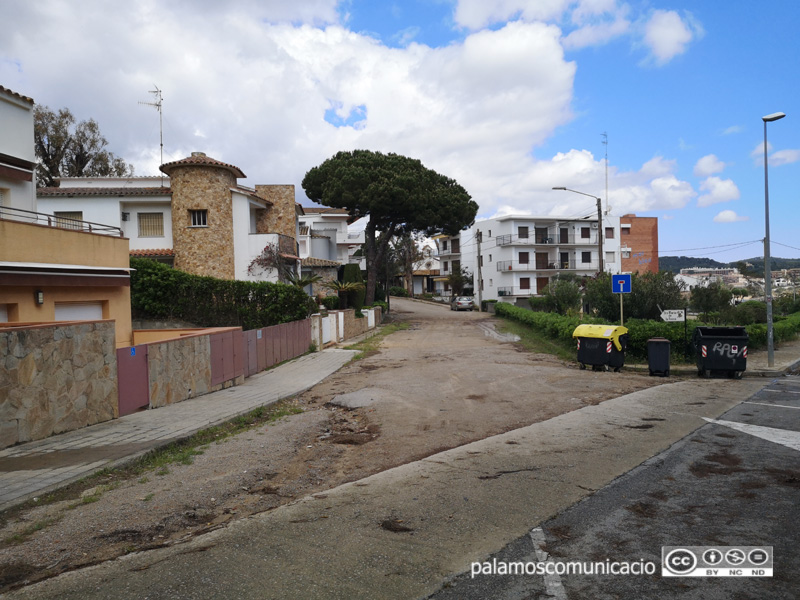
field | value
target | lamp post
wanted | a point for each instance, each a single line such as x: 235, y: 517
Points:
x: 767, y: 260
x: 599, y: 222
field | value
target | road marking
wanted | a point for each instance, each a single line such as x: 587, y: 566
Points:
x: 768, y: 404
x: 782, y: 391
x: 555, y: 589
x: 790, y: 439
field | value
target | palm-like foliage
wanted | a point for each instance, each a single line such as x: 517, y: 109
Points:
x: 343, y: 288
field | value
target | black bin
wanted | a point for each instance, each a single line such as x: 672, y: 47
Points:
x: 602, y: 346
x: 720, y: 351
x: 658, y: 350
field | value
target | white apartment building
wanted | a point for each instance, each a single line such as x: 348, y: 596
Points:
x: 17, y: 156
x: 324, y: 235
x: 521, y: 254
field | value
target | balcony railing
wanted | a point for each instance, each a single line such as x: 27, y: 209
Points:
x: 568, y: 265
x: 549, y: 240
x: 513, y: 291
x: 27, y: 216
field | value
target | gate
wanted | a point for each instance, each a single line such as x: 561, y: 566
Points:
x: 133, y: 379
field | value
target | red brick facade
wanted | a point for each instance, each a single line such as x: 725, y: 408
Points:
x: 639, y: 244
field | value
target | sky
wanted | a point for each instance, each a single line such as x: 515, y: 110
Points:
x: 509, y: 97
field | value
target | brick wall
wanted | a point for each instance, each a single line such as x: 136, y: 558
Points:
x: 56, y: 378
x: 642, y: 240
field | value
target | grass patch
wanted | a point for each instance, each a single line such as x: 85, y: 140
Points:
x: 370, y: 346
x: 536, y: 341
x: 23, y: 535
x: 148, y: 497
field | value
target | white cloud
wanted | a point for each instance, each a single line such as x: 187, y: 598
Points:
x: 476, y: 14
x: 776, y: 159
x: 667, y: 35
x: 708, y: 165
x: 729, y: 216
x: 596, y: 34
x: 717, y: 190
x: 732, y: 129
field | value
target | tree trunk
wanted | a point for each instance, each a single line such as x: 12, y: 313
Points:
x: 372, y: 263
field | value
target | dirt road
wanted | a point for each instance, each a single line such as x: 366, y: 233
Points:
x: 446, y: 381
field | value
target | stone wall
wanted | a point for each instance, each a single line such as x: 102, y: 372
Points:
x: 56, y: 378
x: 179, y: 369
x: 281, y: 217
x: 203, y: 250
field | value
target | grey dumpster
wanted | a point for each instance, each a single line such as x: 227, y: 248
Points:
x: 720, y: 351
x: 658, y: 356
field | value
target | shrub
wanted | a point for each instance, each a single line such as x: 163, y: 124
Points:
x: 331, y: 302
x: 160, y: 292
x: 396, y: 290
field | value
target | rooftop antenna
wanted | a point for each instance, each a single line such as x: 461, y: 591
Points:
x: 157, y: 104
x: 605, y: 143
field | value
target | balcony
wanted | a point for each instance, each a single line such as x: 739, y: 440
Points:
x: 513, y: 291
x: 551, y: 265
x: 35, y: 218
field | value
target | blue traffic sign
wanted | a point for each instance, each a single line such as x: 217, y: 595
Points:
x: 621, y: 284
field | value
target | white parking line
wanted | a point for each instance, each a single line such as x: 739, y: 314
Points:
x: 782, y: 391
x: 790, y: 439
x: 555, y: 589
x: 768, y: 404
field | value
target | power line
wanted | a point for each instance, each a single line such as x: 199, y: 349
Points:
x: 728, y: 246
x: 785, y: 245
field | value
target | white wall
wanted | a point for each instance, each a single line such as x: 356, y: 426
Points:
x: 16, y: 139
x: 103, y: 210
x: 130, y: 228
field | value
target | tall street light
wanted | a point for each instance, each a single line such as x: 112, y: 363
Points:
x: 599, y: 221
x: 767, y: 260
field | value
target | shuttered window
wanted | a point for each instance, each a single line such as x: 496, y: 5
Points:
x: 68, y: 220
x: 151, y: 224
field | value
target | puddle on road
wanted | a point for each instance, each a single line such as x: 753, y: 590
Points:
x: 70, y: 457
x: 489, y: 331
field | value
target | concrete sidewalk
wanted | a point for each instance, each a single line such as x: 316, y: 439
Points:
x: 35, y: 468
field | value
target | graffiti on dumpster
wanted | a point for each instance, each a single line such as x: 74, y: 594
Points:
x: 726, y: 350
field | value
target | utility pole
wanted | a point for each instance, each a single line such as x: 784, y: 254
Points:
x: 479, y: 238
x: 600, y: 232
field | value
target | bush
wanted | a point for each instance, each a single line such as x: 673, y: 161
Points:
x: 331, y: 302
x: 160, y: 292
x: 541, y: 303
x: 396, y: 290
x: 383, y: 305
x: 352, y: 274
x: 485, y: 304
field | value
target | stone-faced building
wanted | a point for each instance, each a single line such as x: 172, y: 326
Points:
x: 200, y: 219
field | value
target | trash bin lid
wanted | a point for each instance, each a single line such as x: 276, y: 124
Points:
x: 607, y: 332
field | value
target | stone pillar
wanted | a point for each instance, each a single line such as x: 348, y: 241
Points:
x: 281, y: 217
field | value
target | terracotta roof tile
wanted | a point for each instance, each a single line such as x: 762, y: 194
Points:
x: 320, y: 210
x: 153, y: 253
x: 199, y: 159
x: 103, y: 191
x: 16, y: 95
x: 319, y: 262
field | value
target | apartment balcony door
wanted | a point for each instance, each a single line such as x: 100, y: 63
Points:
x: 541, y: 260
x: 563, y: 259
x: 541, y: 283
x: 563, y: 236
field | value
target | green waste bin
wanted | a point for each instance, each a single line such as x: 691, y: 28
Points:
x: 720, y: 350
x: 601, y: 346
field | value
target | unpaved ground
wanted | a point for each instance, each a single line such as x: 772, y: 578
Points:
x: 444, y: 382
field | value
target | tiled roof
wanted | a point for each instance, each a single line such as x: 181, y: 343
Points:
x: 153, y: 253
x: 319, y: 262
x: 319, y: 210
x: 16, y: 95
x: 199, y: 159
x: 102, y: 191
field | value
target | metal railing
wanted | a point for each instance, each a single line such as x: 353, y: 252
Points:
x: 36, y: 218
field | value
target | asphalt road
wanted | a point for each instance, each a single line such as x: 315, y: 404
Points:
x: 735, y: 482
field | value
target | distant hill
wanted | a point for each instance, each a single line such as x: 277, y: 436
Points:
x: 676, y: 263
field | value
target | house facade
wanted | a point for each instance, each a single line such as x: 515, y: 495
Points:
x: 198, y: 218
x: 639, y: 244
x: 52, y: 269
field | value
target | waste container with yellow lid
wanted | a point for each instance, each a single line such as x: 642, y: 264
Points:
x: 601, y: 346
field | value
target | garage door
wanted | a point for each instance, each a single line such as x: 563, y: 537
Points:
x: 79, y: 311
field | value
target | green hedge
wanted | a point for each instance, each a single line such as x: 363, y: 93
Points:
x: 639, y: 330
x: 160, y: 292
x: 331, y: 302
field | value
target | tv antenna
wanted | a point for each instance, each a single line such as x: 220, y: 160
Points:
x: 157, y: 105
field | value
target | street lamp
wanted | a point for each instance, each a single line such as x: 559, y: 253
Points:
x: 767, y: 260
x: 599, y: 221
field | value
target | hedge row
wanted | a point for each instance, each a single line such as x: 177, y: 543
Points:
x: 160, y: 292
x: 639, y: 331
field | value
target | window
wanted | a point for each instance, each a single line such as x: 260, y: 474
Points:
x: 524, y: 283
x: 490, y: 258
x: 456, y: 247
x: 490, y: 283
x: 444, y: 245
x: 444, y: 266
x: 67, y: 220
x: 151, y: 224
x: 585, y: 233
x: 625, y: 229
x: 611, y: 257
x: 626, y: 253
x: 490, y: 233
x: 586, y: 257
x: 198, y: 218
x: 609, y: 233
x: 480, y: 258
x: 456, y: 265
x: 524, y: 258
x: 522, y: 233
x: 5, y: 197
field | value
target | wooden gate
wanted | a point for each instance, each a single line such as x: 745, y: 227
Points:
x: 133, y: 379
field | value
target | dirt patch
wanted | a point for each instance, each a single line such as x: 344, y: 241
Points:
x: 443, y: 383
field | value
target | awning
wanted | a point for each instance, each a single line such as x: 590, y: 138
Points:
x: 50, y: 274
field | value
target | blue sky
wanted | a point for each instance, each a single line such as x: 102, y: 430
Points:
x: 509, y: 97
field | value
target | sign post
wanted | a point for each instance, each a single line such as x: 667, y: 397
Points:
x: 676, y: 316
x: 621, y: 284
